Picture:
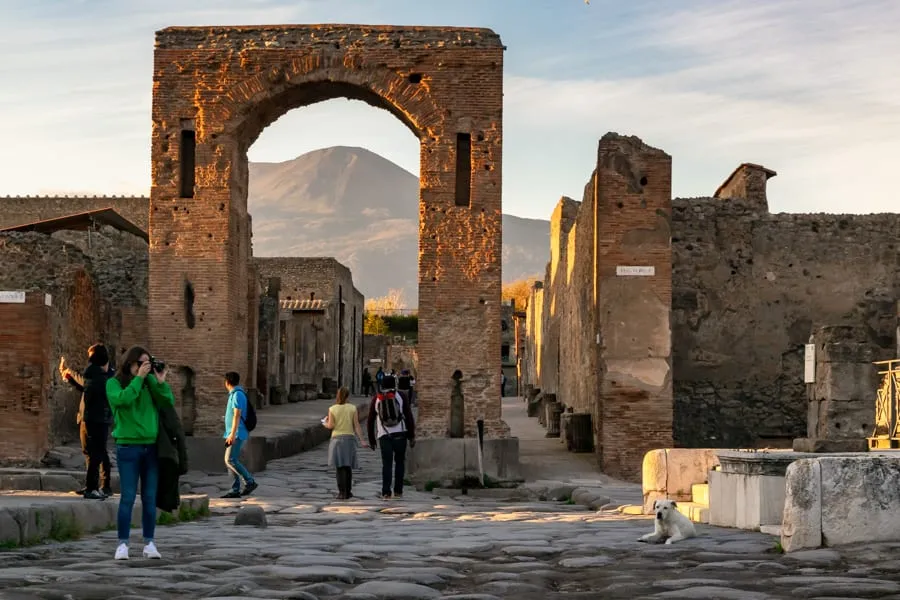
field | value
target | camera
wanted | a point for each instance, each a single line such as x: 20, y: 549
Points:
x: 157, y: 365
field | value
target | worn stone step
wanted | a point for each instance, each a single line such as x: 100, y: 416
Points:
x: 698, y: 513
x: 700, y: 493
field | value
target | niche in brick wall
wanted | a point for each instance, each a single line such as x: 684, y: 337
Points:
x: 187, y: 159
x: 188, y: 399
x: 463, y: 169
x: 189, y: 317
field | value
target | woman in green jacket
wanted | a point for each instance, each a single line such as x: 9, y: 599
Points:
x: 135, y: 394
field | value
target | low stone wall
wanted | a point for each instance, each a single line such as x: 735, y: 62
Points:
x: 32, y: 519
x: 669, y: 473
x: 207, y: 453
x: 831, y: 501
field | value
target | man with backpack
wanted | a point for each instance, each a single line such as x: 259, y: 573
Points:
x: 391, y: 418
x: 240, y: 420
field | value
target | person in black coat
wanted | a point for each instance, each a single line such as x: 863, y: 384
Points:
x: 94, y: 418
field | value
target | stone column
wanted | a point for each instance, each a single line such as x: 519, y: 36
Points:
x: 842, y: 401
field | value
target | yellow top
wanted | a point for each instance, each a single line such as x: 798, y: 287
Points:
x: 342, y: 418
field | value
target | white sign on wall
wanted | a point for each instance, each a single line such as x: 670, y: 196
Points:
x: 809, y: 364
x: 48, y: 299
x: 622, y: 271
x: 12, y: 297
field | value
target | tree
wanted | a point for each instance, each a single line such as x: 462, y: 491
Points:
x: 374, y: 324
x: 391, y: 303
x: 520, y: 291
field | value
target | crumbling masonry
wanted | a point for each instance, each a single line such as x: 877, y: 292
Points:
x: 699, y: 342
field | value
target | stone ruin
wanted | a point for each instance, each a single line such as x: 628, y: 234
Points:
x: 684, y: 322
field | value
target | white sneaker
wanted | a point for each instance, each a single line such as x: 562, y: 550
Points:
x: 150, y: 551
x: 122, y: 552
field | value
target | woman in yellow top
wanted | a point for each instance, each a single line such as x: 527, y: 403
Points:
x: 343, y: 421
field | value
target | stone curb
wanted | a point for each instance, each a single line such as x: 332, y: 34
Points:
x: 47, y: 480
x: 29, y: 520
x: 289, y: 443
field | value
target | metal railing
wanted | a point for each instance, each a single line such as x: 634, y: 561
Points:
x: 887, y: 407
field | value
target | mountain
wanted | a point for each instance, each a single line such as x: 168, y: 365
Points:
x: 363, y: 209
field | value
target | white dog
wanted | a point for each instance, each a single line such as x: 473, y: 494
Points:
x: 669, y: 525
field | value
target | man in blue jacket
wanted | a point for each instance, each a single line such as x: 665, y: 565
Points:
x: 236, y: 435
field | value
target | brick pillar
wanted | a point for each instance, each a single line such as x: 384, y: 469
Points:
x: 25, y: 367
x: 633, y: 293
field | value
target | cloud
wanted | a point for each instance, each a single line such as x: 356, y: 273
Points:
x: 804, y: 88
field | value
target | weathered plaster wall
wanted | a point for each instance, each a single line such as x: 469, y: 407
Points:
x: 750, y: 286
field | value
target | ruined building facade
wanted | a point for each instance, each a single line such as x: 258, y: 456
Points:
x: 320, y: 322
x: 683, y: 322
x: 70, y: 280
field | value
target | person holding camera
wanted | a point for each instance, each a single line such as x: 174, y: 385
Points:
x: 135, y: 395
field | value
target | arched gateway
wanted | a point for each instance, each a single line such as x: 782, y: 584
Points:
x: 216, y: 88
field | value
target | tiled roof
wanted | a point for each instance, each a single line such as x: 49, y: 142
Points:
x: 304, y: 304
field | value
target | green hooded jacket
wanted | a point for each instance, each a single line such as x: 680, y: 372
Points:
x: 136, y: 415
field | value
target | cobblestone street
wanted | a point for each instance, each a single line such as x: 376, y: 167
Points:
x: 434, y: 547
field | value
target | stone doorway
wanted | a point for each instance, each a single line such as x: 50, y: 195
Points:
x: 216, y: 88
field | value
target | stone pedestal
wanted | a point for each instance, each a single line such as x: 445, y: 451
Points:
x: 552, y: 414
x: 841, y: 410
x: 453, y: 458
x: 748, y: 490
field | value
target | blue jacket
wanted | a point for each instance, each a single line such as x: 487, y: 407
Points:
x: 237, y: 398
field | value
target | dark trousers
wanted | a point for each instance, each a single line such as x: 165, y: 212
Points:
x: 393, y: 458
x: 96, y: 458
x: 345, y: 482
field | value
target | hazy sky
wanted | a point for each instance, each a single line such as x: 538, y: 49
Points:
x: 809, y: 88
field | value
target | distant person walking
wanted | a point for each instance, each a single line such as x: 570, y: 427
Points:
x: 343, y: 421
x: 236, y: 436
x: 379, y: 378
x: 135, y: 395
x: 503, y: 384
x: 366, y: 382
x: 391, y: 418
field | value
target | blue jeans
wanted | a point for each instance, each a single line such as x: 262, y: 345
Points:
x: 137, y: 462
x: 234, y: 466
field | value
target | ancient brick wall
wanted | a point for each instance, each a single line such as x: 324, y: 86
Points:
x: 750, y: 287
x: 19, y: 210
x: 605, y: 333
x: 35, y: 262
x: 556, y: 286
x: 25, y: 375
x: 216, y: 88
x: 579, y: 379
x: 119, y: 262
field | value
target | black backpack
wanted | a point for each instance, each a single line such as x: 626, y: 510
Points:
x: 250, y: 418
x: 389, y: 411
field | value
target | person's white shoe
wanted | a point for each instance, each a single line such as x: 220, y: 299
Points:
x: 150, y: 551
x: 122, y: 552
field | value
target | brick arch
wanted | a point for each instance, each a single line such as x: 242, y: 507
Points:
x: 215, y: 90
x: 255, y: 103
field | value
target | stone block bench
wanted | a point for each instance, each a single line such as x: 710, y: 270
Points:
x: 34, y: 517
x: 836, y: 500
x: 679, y: 474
